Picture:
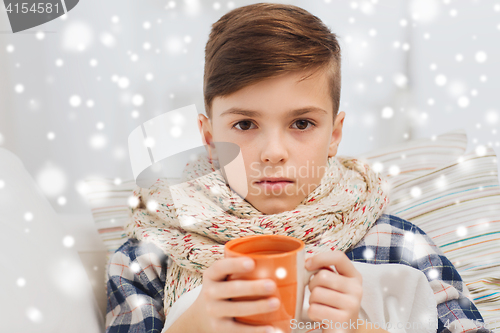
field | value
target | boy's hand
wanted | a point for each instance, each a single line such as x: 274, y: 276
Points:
x: 334, y: 297
x: 214, y: 311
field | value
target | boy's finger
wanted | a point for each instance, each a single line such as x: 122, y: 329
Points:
x: 337, y: 282
x: 224, y: 267
x: 229, y: 326
x: 247, y: 308
x: 338, y: 259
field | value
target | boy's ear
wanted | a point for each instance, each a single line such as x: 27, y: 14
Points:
x: 206, y: 133
x: 336, y: 134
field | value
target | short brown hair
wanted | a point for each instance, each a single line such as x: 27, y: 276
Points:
x: 264, y: 40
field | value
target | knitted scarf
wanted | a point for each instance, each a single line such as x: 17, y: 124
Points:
x: 191, y: 222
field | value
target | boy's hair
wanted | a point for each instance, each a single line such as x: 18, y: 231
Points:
x: 264, y: 40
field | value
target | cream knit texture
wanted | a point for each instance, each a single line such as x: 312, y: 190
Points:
x: 192, y: 221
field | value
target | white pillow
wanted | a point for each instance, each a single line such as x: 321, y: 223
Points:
x: 108, y: 202
x: 459, y: 208
x: 419, y: 156
x: 458, y: 205
x: 44, y: 285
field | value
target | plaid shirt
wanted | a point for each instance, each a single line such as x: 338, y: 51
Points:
x: 136, y: 278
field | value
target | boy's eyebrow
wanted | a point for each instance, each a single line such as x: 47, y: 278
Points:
x: 255, y: 114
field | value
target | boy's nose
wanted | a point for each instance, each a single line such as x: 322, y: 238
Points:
x: 274, y: 149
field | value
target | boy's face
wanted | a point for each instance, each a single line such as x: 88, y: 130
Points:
x: 277, y: 143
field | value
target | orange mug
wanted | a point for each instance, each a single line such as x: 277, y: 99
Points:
x: 280, y: 258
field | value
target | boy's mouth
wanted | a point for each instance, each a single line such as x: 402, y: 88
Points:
x: 274, y: 180
x: 272, y: 184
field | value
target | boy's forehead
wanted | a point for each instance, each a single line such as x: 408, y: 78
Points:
x: 256, y: 113
x: 286, y: 94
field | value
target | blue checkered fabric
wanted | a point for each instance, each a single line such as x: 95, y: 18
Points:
x: 136, y: 278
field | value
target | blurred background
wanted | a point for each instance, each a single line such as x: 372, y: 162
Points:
x: 72, y: 89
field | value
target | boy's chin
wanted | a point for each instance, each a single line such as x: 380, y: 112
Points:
x: 270, y: 206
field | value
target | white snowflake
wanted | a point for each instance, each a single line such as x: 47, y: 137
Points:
x: 281, y: 272
x: 394, y: 170
x: 40, y: 35
x: 378, y: 167
x: 107, y: 39
x: 415, y: 192
x: 34, y: 314
x: 75, y: 101
x: 492, y: 117
x: 441, y: 182
x: 481, y: 56
x: 68, y: 241
x: 77, y: 36
x: 61, y: 200
x: 19, y: 88
x: 137, y: 100
x: 440, y: 80
x: 480, y: 150
x: 463, y: 102
x: 123, y: 82
x: 409, y: 236
x: 98, y: 141
x: 21, y: 282
x: 461, y: 231
x: 133, y: 201
x: 368, y: 254
x: 28, y: 216
x: 387, y: 112
x: 433, y: 274
x: 400, y: 80
x: 152, y: 205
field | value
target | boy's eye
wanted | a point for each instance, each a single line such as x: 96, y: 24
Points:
x: 301, y: 124
x: 245, y: 123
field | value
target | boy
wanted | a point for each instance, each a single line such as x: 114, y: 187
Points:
x: 272, y: 87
